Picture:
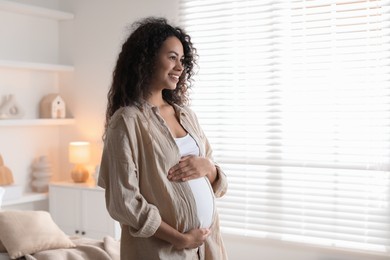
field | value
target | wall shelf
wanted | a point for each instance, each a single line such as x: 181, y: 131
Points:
x: 37, y: 122
x: 26, y: 198
x: 34, y: 10
x: 35, y: 66
x: 30, y: 59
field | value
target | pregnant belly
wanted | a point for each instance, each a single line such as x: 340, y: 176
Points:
x: 204, y: 198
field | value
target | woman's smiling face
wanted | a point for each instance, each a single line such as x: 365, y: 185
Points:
x: 168, y: 66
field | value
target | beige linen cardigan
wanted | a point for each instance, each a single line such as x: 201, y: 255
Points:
x: 138, y: 152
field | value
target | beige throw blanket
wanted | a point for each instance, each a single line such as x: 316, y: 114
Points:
x: 86, y: 249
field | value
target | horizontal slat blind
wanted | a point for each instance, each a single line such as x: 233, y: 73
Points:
x: 294, y: 97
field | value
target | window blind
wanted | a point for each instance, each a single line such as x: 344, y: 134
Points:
x: 294, y: 97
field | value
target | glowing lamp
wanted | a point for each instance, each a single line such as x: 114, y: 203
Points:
x: 79, y: 154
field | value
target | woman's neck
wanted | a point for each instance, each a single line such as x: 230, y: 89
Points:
x: 156, y: 99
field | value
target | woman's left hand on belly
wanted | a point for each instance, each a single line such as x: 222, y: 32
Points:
x: 192, y: 167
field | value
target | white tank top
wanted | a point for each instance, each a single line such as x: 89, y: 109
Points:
x: 201, y: 187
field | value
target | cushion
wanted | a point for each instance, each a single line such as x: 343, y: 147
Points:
x: 28, y: 232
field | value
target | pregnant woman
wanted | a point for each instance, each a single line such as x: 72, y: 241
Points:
x: 157, y: 167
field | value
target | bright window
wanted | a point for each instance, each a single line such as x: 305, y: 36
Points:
x: 294, y: 97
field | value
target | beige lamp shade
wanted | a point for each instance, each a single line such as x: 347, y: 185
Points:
x: 79, y: 154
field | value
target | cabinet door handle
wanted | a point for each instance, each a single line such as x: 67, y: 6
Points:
x: 83, y: 233
x: 76, y: 231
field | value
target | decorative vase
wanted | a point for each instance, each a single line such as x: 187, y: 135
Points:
x: 95, y: 175
x: 41, y: 174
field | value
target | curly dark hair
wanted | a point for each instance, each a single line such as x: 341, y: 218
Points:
x: 136, y: 62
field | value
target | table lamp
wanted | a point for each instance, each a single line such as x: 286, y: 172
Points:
x: 79, y: 154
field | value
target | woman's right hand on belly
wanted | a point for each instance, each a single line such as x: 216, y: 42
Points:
x: 192, y: 167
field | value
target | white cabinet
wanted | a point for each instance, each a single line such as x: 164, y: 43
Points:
x: 80, y: 209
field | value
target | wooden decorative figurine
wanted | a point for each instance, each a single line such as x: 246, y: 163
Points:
x: 52, y: 106
x: 6, y: 177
